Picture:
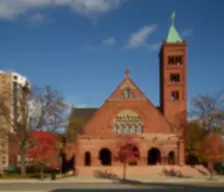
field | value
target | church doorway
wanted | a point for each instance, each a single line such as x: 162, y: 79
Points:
x: 105, y: 156
x: 154, y: 156
x: 171, y: 158
x: 136, y: 154
x: 87, y: 160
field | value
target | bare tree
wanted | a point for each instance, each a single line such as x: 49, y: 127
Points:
x: 209, y: 111
x: 50, y: 112
x: 39, y: 109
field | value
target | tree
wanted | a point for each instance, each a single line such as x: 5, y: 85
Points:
x: 43, y: 150
x: 75, y: 128
x: 40, y: 109
x: 194, y: 136
x: 212, y: 150
x: 127, y: 152
x: 209, y: 111
x: 50, y: 112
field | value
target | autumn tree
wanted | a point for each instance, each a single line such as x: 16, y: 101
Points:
x: 39, y: 109
x: 212, y: 150
x: 209, y: 111
x: 127, y: 152
x: 43, y: 150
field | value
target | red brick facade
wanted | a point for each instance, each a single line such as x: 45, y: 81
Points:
x: 128, y: 111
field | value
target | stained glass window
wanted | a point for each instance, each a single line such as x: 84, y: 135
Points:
x: 127, y: 122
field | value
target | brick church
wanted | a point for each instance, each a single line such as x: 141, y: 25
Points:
x: 127, y: 111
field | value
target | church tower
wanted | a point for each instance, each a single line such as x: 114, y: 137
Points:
x: 173, y: 77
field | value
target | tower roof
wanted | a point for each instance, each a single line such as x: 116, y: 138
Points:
x: 173, y: 36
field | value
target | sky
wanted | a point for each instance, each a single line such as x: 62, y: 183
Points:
x: 82, y: 47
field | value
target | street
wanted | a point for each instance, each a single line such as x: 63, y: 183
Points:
x: 91, y: 187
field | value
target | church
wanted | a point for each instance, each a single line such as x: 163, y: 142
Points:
x: 127, y: 111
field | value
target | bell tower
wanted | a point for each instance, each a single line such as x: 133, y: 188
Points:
x: 173, y: 77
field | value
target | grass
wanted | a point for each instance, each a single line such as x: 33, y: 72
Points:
x: 19, y: 176
x: 35, y: 175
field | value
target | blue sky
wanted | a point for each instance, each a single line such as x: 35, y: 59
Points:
x: 82, y: 47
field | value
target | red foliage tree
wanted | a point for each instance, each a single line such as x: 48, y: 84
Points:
x: 44, y: 150
x: 212, y: 149
x: 127, y: 152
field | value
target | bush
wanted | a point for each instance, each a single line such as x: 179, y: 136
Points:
x: 219, y: 168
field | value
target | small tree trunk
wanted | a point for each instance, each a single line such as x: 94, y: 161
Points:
x: 23, y: 166
x: 211, y: 175
x: 211, y: 169
x: 124, y: 170
x: 41, y: 172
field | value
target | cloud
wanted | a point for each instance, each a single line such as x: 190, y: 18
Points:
x: 154, y: 47
x: 81, y: 106
x: 96, y: 47
x: 109, y: 41
x: 34, y: 108
x: 187, y: 33
x: 10, y: 9
x: 37, y: 18
x: 139, y: 38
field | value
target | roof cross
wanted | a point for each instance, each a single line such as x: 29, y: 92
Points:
x: 127, y: 71
x: 172, y: 18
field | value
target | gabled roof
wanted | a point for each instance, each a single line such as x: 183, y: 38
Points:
x: 84, y: 113
x: 87, y: 113
x: 127, y: 84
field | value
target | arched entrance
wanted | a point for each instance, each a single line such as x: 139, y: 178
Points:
x: 136, y: 153
x: 105, y: 156
x: 154, y: 156
x: 171, y: 158
x: 87, y: 159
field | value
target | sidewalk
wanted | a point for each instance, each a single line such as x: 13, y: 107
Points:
x: 157, y: 179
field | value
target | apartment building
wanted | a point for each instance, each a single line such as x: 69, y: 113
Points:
x: 14, y: 89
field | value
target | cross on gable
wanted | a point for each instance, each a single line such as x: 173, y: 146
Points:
x: 127, y: 71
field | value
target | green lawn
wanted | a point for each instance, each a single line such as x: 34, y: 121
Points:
x: 19, y: 176
x: 30, y: 176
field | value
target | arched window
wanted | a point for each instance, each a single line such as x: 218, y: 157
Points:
x: 129, y: 129
x: 122, y: 127
x: 171, y: 158
x: 127, y: 93
x: 127, y: 122
x: 87, y: 159
x: 105, y: 156
x: 133, y: 128
x: 119, y: 129
x: 140, y: 129
x: 154, y: 156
